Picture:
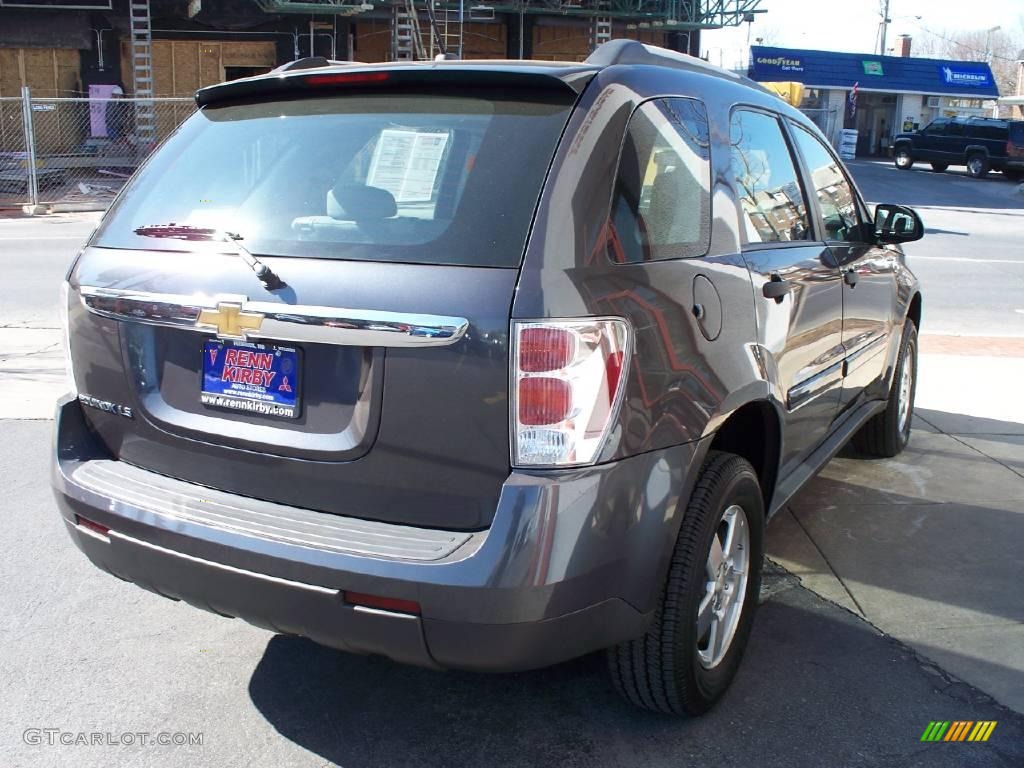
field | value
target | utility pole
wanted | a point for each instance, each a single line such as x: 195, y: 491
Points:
x: 885, y: 28
x: 988, y: 42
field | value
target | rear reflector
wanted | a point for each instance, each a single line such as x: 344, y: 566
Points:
x: 348, y: 78
x: 89, y: 525
x: 383, y: 603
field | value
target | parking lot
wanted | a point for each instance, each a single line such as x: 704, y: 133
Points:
x: 892, y: 598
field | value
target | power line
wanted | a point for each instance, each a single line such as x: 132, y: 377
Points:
x: 964, y: 46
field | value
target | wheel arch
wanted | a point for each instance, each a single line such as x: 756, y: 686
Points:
x: 754, y: 432
x: 914, y: 310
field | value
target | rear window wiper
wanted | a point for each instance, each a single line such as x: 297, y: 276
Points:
x: 266, y: 275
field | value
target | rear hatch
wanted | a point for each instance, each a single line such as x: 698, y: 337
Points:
x: 374, y: 382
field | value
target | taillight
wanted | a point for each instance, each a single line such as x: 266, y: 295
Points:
x: 348, y: 78
x: 568, y: 379
x: 65, y: 293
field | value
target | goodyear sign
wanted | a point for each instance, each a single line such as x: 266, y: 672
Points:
x: 778, y: 64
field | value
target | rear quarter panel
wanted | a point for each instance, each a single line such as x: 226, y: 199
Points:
x: 681, y: 385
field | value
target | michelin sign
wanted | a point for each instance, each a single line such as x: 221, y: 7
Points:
x: 965, y: 77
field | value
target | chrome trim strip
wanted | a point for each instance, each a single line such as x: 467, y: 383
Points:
x: 810, y: 388
x: 862, y: 350
x: 281, y: 322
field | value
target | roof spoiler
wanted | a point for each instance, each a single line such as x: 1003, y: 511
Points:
x: 317, y: 77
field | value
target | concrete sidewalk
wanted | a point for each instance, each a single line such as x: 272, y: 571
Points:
x: 927, y: 546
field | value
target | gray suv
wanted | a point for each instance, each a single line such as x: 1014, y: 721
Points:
x: 481, y: 365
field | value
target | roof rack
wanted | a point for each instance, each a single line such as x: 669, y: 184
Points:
x: 633, y: 52
x: 309, y: 62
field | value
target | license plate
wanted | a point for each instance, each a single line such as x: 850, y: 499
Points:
x: 251, y: 378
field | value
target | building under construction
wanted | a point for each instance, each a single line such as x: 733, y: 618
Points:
x: 159, y: 48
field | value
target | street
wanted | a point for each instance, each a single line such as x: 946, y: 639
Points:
x: 891, y: 599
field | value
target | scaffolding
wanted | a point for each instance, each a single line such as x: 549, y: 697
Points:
x: 670, y: 15
x: 422, y: 29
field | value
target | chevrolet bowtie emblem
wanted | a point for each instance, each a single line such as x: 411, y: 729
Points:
x: 229, y: 320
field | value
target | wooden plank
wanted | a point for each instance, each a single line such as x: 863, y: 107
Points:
x: 249, y: 53
x: 372, y: 40
x: 209, y: 64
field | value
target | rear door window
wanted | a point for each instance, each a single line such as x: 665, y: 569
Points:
x: 409, y: 177
x: 662, y: 205
x: 765, y: 179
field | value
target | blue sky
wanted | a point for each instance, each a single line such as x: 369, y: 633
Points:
x: 852, y: 25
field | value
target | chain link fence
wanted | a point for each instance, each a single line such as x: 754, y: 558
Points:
x: 78, y: 151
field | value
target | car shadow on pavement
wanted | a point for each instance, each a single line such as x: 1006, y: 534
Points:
x: 819, y: 687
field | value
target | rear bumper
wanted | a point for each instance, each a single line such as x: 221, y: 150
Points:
x: 572, y: 563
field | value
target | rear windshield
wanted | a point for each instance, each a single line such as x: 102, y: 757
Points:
x: 420, y: 178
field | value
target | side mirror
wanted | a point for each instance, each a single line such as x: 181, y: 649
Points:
x: 897, y: 224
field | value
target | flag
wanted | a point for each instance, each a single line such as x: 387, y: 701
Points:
x: 852, y: 101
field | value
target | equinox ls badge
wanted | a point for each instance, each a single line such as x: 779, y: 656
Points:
x: 229, y: 320
x: 106, y: 405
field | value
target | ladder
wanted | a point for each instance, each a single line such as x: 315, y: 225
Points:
x: 447, y: 24
x: 406, y: 35
x: 141, y: 31
x: 601, y: 30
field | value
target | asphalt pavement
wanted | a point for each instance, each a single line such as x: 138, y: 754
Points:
x: 971, y: 261
x: 898, y: 604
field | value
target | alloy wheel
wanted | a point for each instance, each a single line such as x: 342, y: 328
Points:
x: 904, y: 394
x: 726, y: 572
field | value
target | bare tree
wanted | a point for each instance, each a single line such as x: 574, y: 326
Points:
x: 999, y: 48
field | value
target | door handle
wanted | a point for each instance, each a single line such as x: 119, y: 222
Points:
x: 776, y: 288
x: 850, y: 278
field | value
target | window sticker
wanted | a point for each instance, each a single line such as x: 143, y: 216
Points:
x: 406, y: 164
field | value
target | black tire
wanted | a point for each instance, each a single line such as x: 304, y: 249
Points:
x: 903, y: 158
x: 883, y: 435
x: 978, y: 165
x: 1014, y: 175
x: 662, y: 670
x: 940, y: 167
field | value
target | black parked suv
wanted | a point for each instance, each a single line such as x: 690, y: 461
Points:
x: 482, y: 365
x: 982, y: 144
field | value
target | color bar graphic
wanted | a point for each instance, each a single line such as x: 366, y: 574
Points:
x: 958, y: 730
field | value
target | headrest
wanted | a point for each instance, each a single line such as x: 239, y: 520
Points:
x: 358, y: 202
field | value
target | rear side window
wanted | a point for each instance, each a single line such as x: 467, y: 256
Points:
x: 1017, y: 133
x: 988, y: 130
x: 407, y: 177
x: 765, y: 179
x: 661, y: 207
